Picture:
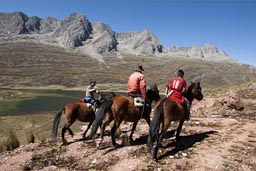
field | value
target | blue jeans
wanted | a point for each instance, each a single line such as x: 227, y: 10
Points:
x: 89, y: 99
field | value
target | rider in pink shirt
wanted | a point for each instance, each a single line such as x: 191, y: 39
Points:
x: 137, y: 83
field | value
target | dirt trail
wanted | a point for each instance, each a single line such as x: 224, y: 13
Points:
x: 206, y: 144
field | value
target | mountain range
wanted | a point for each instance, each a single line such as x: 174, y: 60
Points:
x: 95, y: 45
x: 78, y: 33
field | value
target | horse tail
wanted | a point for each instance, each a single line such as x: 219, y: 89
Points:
x: 100, y: 115
x: 155, y: 125
x: 56, y: 124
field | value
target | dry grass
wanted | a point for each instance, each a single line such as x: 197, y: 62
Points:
x: 30, y: 137
x: 39, y: 161
x: 25, y: 129
x: 10, y: 143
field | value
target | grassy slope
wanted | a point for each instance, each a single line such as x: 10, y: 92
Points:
x: 29, y: 64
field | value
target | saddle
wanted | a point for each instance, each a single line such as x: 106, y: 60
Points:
x: 96, y: 104
x: 138, y: 100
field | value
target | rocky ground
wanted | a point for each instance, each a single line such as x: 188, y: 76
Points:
x: 217, y: 138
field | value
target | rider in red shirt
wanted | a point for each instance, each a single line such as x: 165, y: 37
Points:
x: 176, y: 89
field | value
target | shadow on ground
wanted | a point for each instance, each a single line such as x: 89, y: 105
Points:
x: 185, y: 142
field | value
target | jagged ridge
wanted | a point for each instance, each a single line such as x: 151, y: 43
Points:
x: 78, y: 33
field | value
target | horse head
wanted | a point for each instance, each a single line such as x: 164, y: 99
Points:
x: 195, y: 91
x: 105, y: 96
x: 153, y: 93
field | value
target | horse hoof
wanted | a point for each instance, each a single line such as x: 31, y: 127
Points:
x: 177, y: 139
x: 154, y: 154
x: 64, y: 142
x: 117, y: 145
x: 131, y: 142
x: 154, y: 157
x: 98, y: 142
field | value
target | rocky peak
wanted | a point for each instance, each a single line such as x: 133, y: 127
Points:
x: 103, y: 38
x: 206, y: 51
x: 49, y: 24
x: 33, y: 24
x: 151, y: 40
x: 74, y: 30
x: 101, y: 27
x: 13, y: 23
x: 142, y: 42
x: 206, y: 48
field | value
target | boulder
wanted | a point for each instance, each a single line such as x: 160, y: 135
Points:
x: 232, y: 101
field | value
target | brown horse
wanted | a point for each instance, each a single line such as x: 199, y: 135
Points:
x: 122, y: 108
x: 168, y: 110
x: 75, y: 111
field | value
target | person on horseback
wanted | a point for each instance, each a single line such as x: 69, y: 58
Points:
x: 137, y: 86
x: 137, y: 83
x: 89, y: 95
x: 176, y: 88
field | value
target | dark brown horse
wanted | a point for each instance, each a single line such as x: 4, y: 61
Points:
x: 122, y: 108
x: 168, y: 110
x: 75, y: 111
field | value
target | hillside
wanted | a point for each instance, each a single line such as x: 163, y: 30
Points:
x: 217, y: 138
x: 24, y: 63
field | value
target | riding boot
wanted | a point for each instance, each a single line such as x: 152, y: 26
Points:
x: 187, y: 110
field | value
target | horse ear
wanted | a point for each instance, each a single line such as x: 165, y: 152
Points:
x: 154, y: 87
x: 198, y: 83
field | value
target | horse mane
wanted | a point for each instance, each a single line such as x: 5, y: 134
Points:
x: 192, y: 85
x: 152, y: 92
x: 108, y: 95
x: 112, y: 93
x: 154, y: 87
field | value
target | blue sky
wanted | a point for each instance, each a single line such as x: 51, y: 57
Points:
x: 228, y: 24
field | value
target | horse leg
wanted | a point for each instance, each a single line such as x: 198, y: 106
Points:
x: 165, y: 126
x: 113, y: 131
x: 65, y: 128
x: 158, y: 144
x: 148, y: 120
x: 106, y: 122
x: 133, y: 129
x: 70, y: 132
x: 64, y: 141
x: 88, y: 127
x: 179, y: 129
